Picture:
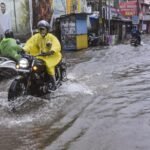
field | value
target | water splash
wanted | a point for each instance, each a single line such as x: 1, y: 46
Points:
x: 71, y: 87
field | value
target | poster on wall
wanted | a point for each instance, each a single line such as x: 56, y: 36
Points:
x: 83, y: 6
x: 68, y: 26
x: 42, y: 10
x: 76, y: 6
x: 68, y: 42
x: 68, y: 33
x: 14, y: 14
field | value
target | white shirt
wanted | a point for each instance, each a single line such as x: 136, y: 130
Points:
x: 5, y: 22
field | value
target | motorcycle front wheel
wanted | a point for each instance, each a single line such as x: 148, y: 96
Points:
x: 17, y: 89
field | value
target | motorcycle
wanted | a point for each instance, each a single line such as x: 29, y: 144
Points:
x: 32, y: 78
x: 7, y: 68
x: 134, y: 41
x: 93, y: 40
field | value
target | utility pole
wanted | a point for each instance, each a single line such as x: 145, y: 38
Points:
x: 138, y: 12
x: 14, y: 4
x: 100, y: 18
x: 109, y: 17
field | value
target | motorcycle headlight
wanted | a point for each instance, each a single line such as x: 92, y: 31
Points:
x: 23, y: 63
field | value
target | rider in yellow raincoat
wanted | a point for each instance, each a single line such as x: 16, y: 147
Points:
x: 44, y: 42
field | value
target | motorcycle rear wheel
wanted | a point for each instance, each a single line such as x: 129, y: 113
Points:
x: 17, y: 89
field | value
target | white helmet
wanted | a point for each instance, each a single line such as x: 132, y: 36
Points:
x: 43, y: 24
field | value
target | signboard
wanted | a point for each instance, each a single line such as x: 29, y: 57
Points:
x: 111, y: 12
x: 135, y: 20
x: 128, y: 8
x: 147, y: 1
x: 144, y: 27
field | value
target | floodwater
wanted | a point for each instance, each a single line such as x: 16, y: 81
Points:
x: 104, y: 105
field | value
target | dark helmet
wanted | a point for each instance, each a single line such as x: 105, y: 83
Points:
x: 134, y: 27
x: 43, y: 24
x: 9, y: 34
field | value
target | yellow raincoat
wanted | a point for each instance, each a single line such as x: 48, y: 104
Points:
x: 37, y: 44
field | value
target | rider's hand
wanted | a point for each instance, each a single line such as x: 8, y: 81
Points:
x: 43, y: 54
x: 51, y: 52
x: 21, y: 52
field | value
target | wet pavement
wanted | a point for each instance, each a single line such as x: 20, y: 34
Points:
x: 104, y: 105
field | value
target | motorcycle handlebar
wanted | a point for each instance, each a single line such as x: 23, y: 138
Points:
x: 46, y: 53
x: 42, y: 54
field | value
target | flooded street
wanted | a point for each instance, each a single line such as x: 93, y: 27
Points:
x: 104, y: 105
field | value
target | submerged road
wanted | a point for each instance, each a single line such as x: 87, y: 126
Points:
x: 104, y: 105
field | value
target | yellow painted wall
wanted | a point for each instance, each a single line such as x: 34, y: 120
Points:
x: 82, y: 41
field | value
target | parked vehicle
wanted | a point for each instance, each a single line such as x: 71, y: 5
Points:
x: 32, y: 78
x: 7, y: 68
x: 134, y: 41
x: 93, y: 39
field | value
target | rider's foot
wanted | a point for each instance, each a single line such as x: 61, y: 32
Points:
x: 52, y: 88
x: 52, y: 84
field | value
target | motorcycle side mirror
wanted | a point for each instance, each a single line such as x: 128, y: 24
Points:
x: 142, y: 32
x: 18, y: 41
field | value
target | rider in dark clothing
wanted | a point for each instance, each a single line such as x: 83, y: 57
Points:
x: 136, y: 34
